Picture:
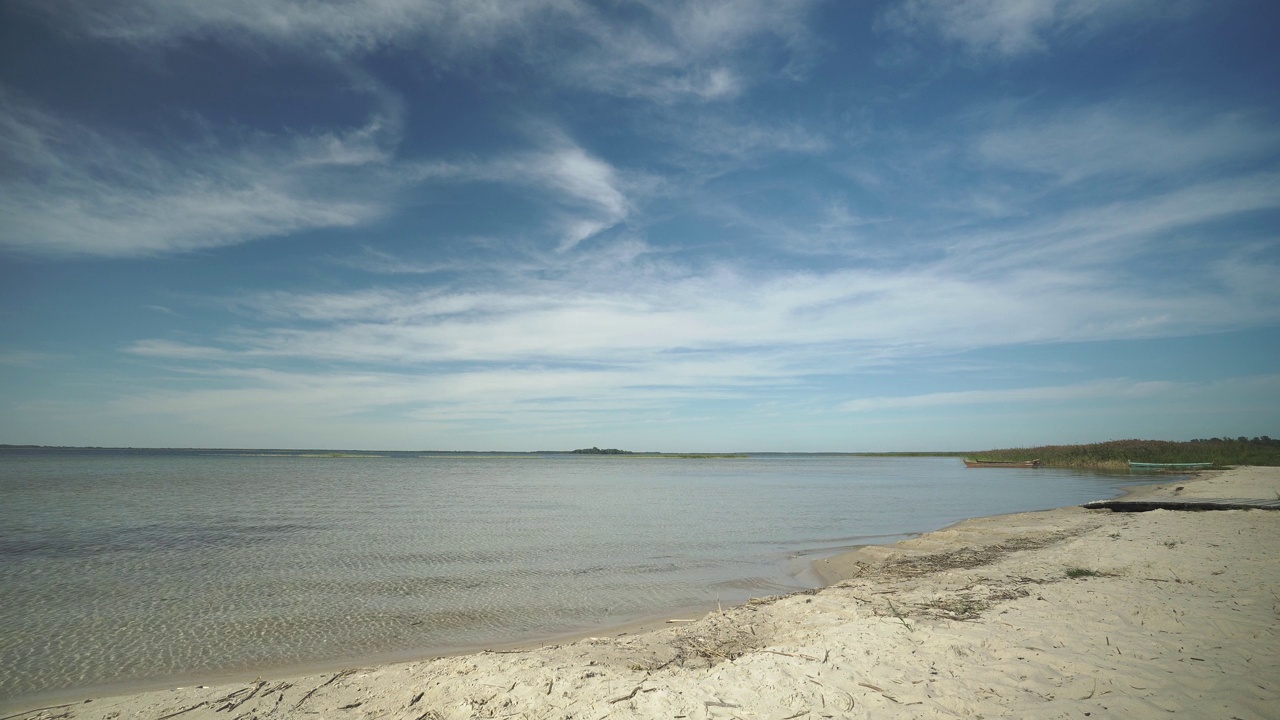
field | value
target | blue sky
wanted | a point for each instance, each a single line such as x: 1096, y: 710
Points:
x: 657, y: 225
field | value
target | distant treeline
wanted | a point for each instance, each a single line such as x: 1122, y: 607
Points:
x: 598, y: 451
x: 1223, y: 451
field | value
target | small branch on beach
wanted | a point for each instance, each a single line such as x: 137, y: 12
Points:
x: 232, y: 704
x: 898, y: 615
x: 793, y: 655
x: 183, y: 710
x: 626, y: 697
x: 32, y: 712
x: 330, y: 681
x: 709, y: 652
x: 848, y: 705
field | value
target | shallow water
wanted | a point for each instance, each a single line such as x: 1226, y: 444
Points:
x: 119, y: 567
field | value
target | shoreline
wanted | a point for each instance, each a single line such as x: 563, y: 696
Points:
x: 801, y: 567
x: 685, y: 652
x: 832, y: 569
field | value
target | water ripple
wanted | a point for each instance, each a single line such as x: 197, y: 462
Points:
x: 120, y: 566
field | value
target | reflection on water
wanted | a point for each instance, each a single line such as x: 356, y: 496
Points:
x: 122, y: 566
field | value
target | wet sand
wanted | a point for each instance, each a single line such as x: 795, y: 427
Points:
x: 1170, y: 612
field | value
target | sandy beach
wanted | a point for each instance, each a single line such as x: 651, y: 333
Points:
x: 1168, y: 613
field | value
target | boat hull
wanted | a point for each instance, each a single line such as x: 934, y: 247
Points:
x: 1000, y: 464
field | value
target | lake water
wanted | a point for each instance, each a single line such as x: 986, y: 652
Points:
x: 132, y: 566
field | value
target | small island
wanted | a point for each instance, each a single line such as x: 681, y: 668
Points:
x: 598, y: 451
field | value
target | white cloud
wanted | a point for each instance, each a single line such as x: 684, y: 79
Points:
x: 665, y: 50
x: 637, y: 320
x: 554, y: 353
x: 590, y: 194
x: 737, y: 139
x: 71, y: 190
x: 586, y: 181
x: 1108, y: 389
x: 1016, y: 27
x: 170, y: 350
x: 520, y: 397
x: 372, y: 260
x: 360, y: 26
x: 1131, y: 141
x: 1118, y: 232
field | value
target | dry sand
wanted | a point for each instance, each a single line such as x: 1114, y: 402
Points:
x: 976, y: 620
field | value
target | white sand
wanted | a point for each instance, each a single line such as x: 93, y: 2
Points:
x: 978, y: 620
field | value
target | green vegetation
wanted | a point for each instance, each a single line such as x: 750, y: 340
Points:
x: 1117, y: 453
x: 598, y: 451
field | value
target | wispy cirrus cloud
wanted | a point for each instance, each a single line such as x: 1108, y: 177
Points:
x: 1110, y: 389
x: 1129, y: 140
x: 646, y: 344
x: 666, y: 51
x: 1115, y: 232
x: 466, y: 410
x: 694, y: 49
x: 839, y: 321
x: 352, y: 27
x: 1006, y: 28
x: 589, y: 194
x: 71, y: 190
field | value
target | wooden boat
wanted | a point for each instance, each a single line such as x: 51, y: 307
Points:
x: 1169, y: 466
x: 1001, y: 463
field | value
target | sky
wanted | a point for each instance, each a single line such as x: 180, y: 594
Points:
x: 665, y: 225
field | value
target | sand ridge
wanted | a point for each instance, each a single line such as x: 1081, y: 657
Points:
x: 1177, y: 613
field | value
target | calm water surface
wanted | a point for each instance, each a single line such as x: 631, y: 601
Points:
x: 122, y: 566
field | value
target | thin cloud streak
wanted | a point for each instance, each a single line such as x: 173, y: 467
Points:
x: 1119, y: 388
x: 590, y: 193
x: 70, y: 190
x: 1133, y: 142
x: 921, y: 311
x: 1009, y: 28
x: 672, y: 51
x: 1099, y: 234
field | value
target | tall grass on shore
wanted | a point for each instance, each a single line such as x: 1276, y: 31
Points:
x: 1117, y: 453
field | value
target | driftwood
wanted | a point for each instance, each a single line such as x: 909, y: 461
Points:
x: 330, y: 681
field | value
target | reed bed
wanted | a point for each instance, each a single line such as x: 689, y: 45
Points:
x: 1116, y: 454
